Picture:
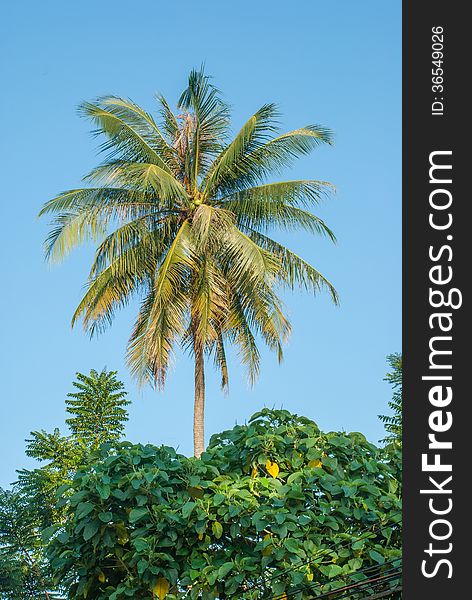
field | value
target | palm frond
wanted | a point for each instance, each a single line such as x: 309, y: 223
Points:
x: 145, y: 178
x: 172, y: 273
x: 221, y: 362
x: 295, y: 272
x: 169, y: 122
x: 132, y: 133
x: 264, y: 313
x: 158, y: 327
x: 275, y: 204
x: 230, y: 164
x: 291, y: 218
x: 281, y: 151
x: 205, y: 100
x: 152, y: 234
x: 240, y: 334
x: 211, y: 116
x: 71, y: 229
x: 246, y: 261
x: 144, y: 124
x: 274, y: 155
x: 112, y: 286
x: 210, y: 227
x: 274, y: 326
x: 209, y: 303
x: 85, y: 215
x: 163, y: 313
x: 112, y: 201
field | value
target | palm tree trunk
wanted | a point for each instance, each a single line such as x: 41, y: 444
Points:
x: 199, y: 405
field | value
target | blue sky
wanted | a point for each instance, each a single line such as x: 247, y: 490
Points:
x: 334, y: 63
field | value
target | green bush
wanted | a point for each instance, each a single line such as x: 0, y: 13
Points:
x: 274, y: 504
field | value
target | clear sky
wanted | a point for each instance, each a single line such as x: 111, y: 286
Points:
x: 335, y: 63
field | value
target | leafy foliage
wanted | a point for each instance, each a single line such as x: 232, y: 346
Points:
x: 273, y: 505
x: 180, y: 213
x: 62, y: 457
x: 23, y: 571
x: 393, y: 422
x: 98, y: 408
x: 98, y: 415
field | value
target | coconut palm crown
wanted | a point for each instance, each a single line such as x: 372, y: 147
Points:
x: 181, y: 215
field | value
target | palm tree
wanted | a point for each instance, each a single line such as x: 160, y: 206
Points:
x: 181, y: 215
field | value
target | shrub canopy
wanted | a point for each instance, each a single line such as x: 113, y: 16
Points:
x: 273, y: 505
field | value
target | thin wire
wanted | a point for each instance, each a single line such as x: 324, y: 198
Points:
x: 382, y: 593
x: 378, y: 592
x: 361, y: 589
x: 325, y: 551
x: 375, y: 587
x: 333, y: 548
x: 364, y: 570
x: 321, y: 584
x: 395, y: 574
x: 373, y: 582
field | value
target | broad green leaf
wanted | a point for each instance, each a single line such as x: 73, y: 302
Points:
x: 187, y: 509
x: 83, y: 509
x: 292, y: 545
x: 217, y: 529
x: 218, y: 499
x: 374, y: 555
x: 141, y: 544
x: 47, y: 533
x: 90, y: 530
x: 225, y: 569
x: 105, y: 517
x: 137, y: 513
